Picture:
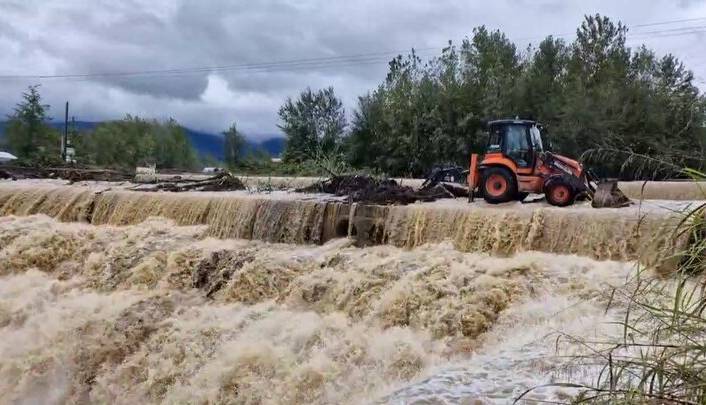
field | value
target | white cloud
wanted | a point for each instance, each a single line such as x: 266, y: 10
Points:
x: 72, y: 36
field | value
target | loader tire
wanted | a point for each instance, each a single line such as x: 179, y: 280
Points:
x: 498, y: 185
x: 560, y: 193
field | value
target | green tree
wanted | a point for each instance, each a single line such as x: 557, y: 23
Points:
x: 491, y: 70
x: 592, y: 93
x: 364, y: 145
x: 28, y: 134
x: 595, y: 86
x: 234, y: 145
x: 134, y: 141
x: 314, y: 125
x: 542, y: 86
x: 172, y: 148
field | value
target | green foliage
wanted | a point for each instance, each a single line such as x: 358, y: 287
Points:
x: 314, y: 125
x: 592, y: 93
x: 135, y: 142
x: 28, y: 135
x: 234, y: 145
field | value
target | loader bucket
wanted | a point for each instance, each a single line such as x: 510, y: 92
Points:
x: 608, y: 195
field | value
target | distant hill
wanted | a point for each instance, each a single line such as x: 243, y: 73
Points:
x: 274, y: 145
x: 205, y: 143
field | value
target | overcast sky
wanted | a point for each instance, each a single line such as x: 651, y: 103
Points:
x: 39, y: 37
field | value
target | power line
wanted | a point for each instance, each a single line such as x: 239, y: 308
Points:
x: 294, y: 64
x: 325, y: 62
x: 669, y: 22
x: 678, y: 29
x: 258, y: 71
x: 569, y: 34
x: 341, y: 63
x: 669, y: 32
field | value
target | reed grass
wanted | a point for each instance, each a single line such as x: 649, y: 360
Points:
x: 661, y: 356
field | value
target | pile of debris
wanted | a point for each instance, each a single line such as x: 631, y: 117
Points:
x: 608, y: 195
x: 73, y: 174
x: 367, y: 189
x: 223, y: 181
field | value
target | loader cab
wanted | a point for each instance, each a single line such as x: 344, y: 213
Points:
x: 518, y: 140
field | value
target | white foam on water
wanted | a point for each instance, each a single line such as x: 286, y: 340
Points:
x: 156, y: 312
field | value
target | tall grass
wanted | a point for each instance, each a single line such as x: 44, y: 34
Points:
x: 661, y: 356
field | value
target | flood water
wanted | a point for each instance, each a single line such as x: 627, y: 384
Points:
x: 157, y: 312
x: 112, y: 296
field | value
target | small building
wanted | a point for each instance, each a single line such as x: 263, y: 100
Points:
x: 212, y: 169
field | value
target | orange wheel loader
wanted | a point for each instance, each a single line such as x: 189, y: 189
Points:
x: 516, y: 164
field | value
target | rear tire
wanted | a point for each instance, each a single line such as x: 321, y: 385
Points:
x: 559, y: 193
x: 498, y: 185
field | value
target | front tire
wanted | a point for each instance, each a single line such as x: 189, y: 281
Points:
x: 560, y: 194
x: 498, y: 185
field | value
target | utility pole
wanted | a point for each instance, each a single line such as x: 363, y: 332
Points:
x: 65, y: 139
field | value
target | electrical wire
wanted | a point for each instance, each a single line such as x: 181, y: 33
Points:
x: 326, y: 62
x: 295, y: 64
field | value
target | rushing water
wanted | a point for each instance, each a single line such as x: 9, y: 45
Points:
x: 246, y: 298
x: 163, y: 313
x: 615, y: 234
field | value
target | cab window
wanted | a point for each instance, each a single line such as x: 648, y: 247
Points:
x: 494, y: 140
x: 536, y: 137
x: 517, y: 144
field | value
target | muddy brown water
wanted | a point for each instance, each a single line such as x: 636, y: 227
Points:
x: 616, y: 234
x: 155, y: 312
x: 112, y: 296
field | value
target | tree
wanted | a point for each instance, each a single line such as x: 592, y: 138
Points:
x: 314, y: 125
x: 363, y: 145
x: 596, y: 84
x: 134, y: 141
x: 234, y: 145
x: 491, y: 69
x: 594, y: 92
x: 172, y: 147
x: 28, y: 134
x: 599, y: 51
x: 542, y: 86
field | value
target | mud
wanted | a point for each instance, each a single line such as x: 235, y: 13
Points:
x: 635, y: 190
x: 370, y: 190
x: 155, y: 313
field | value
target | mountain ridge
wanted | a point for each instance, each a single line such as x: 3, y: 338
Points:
x: 206, y: 144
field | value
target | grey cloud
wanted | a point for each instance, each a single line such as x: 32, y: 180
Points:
x: 75, y: 36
